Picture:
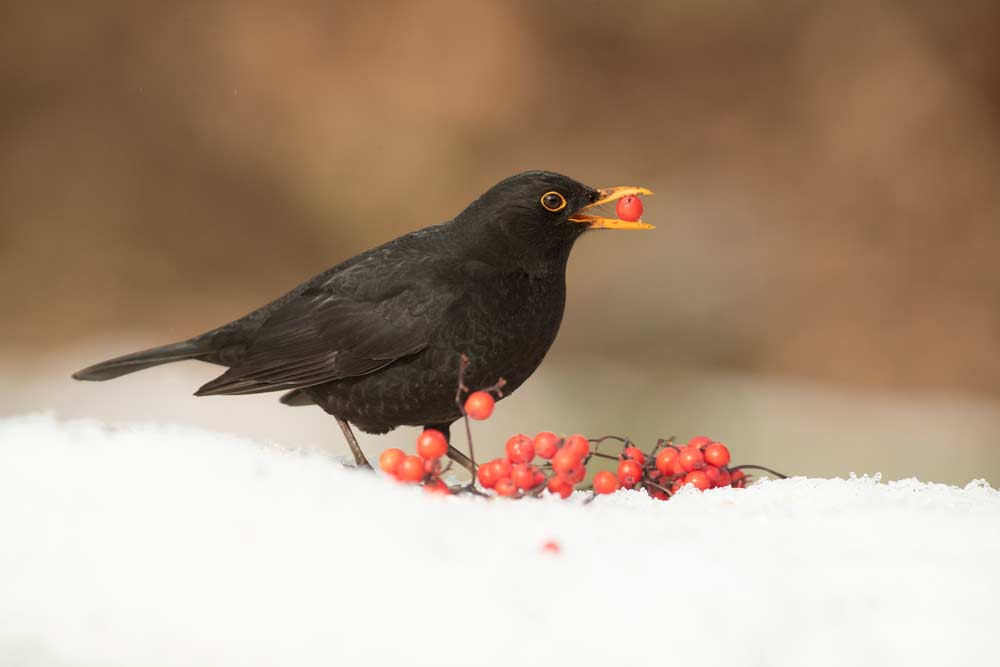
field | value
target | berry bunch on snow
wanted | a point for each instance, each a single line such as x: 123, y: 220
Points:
x: 557, y: 465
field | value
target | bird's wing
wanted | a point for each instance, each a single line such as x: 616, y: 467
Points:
x: 349, y: 324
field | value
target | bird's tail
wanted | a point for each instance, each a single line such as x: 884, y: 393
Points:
x: 137, y: 361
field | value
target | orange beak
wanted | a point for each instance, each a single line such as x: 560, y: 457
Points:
x: 610, y: 195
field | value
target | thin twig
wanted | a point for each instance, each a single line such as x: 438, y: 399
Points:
x: 767, y: 470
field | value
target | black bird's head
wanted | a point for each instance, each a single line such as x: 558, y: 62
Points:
x: 541, y: 213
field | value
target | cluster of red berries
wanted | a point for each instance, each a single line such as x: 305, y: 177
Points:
x: 424, y: 467
x: 702, y: 463
x: 516, y: 474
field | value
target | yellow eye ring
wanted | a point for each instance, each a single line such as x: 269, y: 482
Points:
x: 553, y: 201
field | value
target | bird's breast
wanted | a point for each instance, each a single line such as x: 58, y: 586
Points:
x: 506, y: 324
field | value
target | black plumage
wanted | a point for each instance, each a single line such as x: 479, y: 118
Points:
x: 376, y: 340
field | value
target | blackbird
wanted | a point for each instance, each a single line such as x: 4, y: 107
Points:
x: 376, y: 341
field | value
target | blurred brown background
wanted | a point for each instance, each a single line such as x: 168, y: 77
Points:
x: 822, y: 290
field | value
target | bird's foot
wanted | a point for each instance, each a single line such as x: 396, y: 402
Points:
x: 360, y: 462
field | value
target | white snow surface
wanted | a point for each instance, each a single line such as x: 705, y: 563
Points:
x: 164, y: 545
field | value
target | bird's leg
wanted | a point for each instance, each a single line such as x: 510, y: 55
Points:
x: 352, y: 442
x: 461, y: 459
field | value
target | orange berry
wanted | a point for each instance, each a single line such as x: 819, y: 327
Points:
x: 390, y: 459
x: 629, y: 208
x: 698, y: 479
x: 605, y: 482
x: 629, y: 473
x: 520, y: 449
x: 635, y: 454
x: 431, y: 444
x: 523, y: 476
x: 564, y: 461
x: 560, y: 486
x: 576, y: 474
x: 699, y: 441
x: 665, y: 460
x: 411, y: 469
x: 577, y: 444
x: 690, y: 458
x: 437, y: 487
x: 500, y: 468
x: 506, y: 488
x: 479, y: 405
x: 712, y: 473
x: 486, y: 475
x: 546, y: 443
x: 717, y: 454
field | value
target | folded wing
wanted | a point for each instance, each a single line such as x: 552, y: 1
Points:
x: 345, y: 326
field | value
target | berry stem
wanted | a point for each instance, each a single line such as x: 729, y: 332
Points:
x: 462, y: 365
x: 660, y: 444
x: 656, y: 486
x: 623, y: 440
x: 767, y: 470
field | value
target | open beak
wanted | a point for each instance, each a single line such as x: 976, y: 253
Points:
x: 609, y: 195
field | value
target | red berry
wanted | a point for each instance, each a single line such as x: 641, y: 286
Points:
x: 577, y: 444
x: 431, y: 444
x: 698, y: 479
x: 501, y: 468
x: 546, y: 443
x: 635, y: 454
x: 560, y: 486
x: 564, y: 461
x: 712, y: 473
x: 699, y: 441
x: 739, y: 479
x: 576, y: 474
x: 437, y: 488
x: 724, y: 478
x: 432, y: 466
x: 605, y: 482
x: 487, y: 475
x: 551, y: 546
x: 520, y: 449
x: 677, y: 486
x: 665, y: 460
x: 506, y: 487
x: 657, y: 494
x: 411, y: 469
x: 629, y: 208
x: 390, y: 459
x: 523, y: 476
x: 717, y: 454
x: 629, y: 473
x: 690, y: 458
x: 479, y: 405
x: 539, y: 478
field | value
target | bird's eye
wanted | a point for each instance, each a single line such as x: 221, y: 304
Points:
x: 553, y: 201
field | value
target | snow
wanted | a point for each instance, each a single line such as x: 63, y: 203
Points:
x: 165, y: 545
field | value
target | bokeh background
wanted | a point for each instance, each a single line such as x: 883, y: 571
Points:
x: 822, y: 291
